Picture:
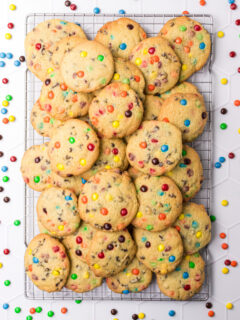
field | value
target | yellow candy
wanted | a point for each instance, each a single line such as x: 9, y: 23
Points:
x: 170, y: 173
x: 86, y: 275
x: 107, y: 167
x: 49, y: 186
x: 11, y: 118
x: 109, y: 197
x: 153, y: 75
x: 145, y: 51
x: 12, y: 7
x: 139, y: 214
x: 30, y: 252
x: 184, y: 67
x: 83, y: 54
x: 225, y: 270
x: 220, y: 34
x: 70, y: 113
x: 96, y: 266
x: 83, y: 162
x: 8, y: 36
x: 181, y: 216
x: 115, y: 319
x: 141, y: 315
x: 49, y: 70
x: 115, y: 124
x: 229, y: 305
x: 128, y: 274
x: 120, y: 116
x: 190, y: 55
x: 224, y: 203
x: 224, y: 81
x: 1, y: 265
x: 61, y: 228
x: 199, y: 234
x: 187, y: 257
x: 60, y: 166
x: 116, y: 159
x: 94, y: 196
x: 239, y: 130
x: 116, y: 76
x: 5, y: 103
x: 161, y: 247
x: 91, y: 215
x: 138, y: 61
x: 55, y: 273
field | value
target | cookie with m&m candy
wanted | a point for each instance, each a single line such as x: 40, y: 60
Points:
x: 108, y: 201
x: 73, y: 183
x: 152, y: 105
x: 117, y: 111
x: 160, y: 251
x: 73, y: 148
x: 160, y: 203
x: 158, y: 62
x: 184, y: 87
x: 35, y: 167
x: 134, y: 278
x: 186, y: 111
x: 190, y: 40
x: 39, y: 44
x: 42, y: 121
x: 194, y: 226
x: 155, y: 148
x: 186, y: 280
x: 188, y: 173
x: 60, y: 101
x: 87, y: 67
x: 120, y: 36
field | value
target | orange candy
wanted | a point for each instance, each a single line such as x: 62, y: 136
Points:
x: 224, y: 246
x: 234, y: 263
x: 135, y: 271
x: 185, y: 12
x: 137, y: 78
x: 211, y: 313
x: 80, y: 74
x: 123, y: 94
x: 165, y: 120
x: 84, y: 199
x: 202, y: 2
x: 161, y: 216
x: 151, y: 87
x: 57, y: 145
x: 5, y: 120
x: 50, y: 95
x: 63, y: 87
x: 222, y: 235
x: 110, y: 108
x: 187, y: 49
x: 156, y: 58
x: 178, y: 40
x: 177, y: 228
x: 64, y: 310
x: 237, y: 103
x: 74, y: 98
x: 94, y: 121
x: 46, y: 119
x: 143, y: 145
x: 104, y: 211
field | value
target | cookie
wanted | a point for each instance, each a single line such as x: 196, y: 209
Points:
x: 40, y: 41
x: 121, y: 36
x: 60, y: 101
x: 73, y: 183
x: 112, y: 155
x: 184, y: 87
x: 194, y: 226
x: 186, y: 111
x: 42, y: 121
x: 134, y: 278
x: 134, y: 173
x: 80, y: 241
x: 158, y: 63
x: 35, y: 167
x: 188, y: 174
x: 46, y: 263
x: 159, y: 251
x: 160, y: 203
x: 81, y: 277
x: 108, y: 201
x: 191, y: 42
x: 186, y: 280
x: 152, y: 105
x: 110, y: 252
x: 63, y: 46
x: 117, y: 111
x: 73, y: 149
x: 57, y: 211
x: 87, y: 67
x: 42, y: 229
x: 155, y: 148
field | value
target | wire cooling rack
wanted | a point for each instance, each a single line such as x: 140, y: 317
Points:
x: 152, y: 24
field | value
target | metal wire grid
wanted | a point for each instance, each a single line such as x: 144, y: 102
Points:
x: 152, y: 24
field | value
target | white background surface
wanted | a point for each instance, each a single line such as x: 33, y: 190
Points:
x: 224, y: 288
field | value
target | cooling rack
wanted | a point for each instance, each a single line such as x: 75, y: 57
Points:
x: 151, y: 23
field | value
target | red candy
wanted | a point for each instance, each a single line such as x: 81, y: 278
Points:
x: 90, y: 147
x: 231, y: 155
x: 6, y: 251
x: 224, y: 246
x: 161, y: 216
x: 79, y: 239
x: 10, y: 25
x: 151, y: 50
x: 48, y: 107
x: 101, y: 255
x: 55, y: 249
x: 187, y: 287
x: 124, y: 212
x: 197, y: 27
x: 233, y: 6
x: 165, y: 187
x: 227, y: 262
x: 4, y: 80
x: 232, y: 54
x: 135, y: 271
x: 73, y: 7
x: 237, y: 22
x: 115, y: 151
x: 38, y: 46
x: 13, y: 159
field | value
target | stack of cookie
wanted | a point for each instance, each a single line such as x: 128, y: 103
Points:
x: 115, y: 178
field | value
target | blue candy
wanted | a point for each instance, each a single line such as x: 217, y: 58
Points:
x: 9, y: 55
x: 171, y: 259
x: 4, y: 111
x: 96, y: 10
x: 5, y: 306
x: 164, y: 148
x: 185, y: 275
x: 68, y: 198
x: 35, y: 260
x: 2, y: 64
x: 121, y: 11
x: 2, y: 55
x: 125, y: 291
x: 171, y: 313
x: 4, y: 168
x: 231, y: 1
x: 123, y: 46
x: 217, y: 165
x: 222, y: 159
x: 183, y: 102
x: 17, y: 63
x: 202, y: 45
x: 84, y: 181
x: 187, y: 123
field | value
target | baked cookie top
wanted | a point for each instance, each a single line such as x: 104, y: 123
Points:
x: 186, y: 280
x: 184, y: 87
x: 74, y: 148
x: 73, y: 183
x: 160, y: 203
x: 87, y: 67
x: 112, y: 155
x: 60, y: 101
x: 42, y: 121
x: 186, y: 111
x: 158, y: 62
x: 46, y: 263
x: 191, y: 42
x: 110, y: 252
x: 152, y: 105
x: 121, y: 36
x: 39, y: 44
x: 117, y: 111
x: 134, y: 278
x: 188, y: 174
x: 57, y: 211
x: 35, y: 167
x: 108, y: 201
x: 194, y: 226
x: 159, y: 251
x: 155, y: 148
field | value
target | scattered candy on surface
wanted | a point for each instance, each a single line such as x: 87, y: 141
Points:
x: 222, y: 235
x: 224, y: 81
x: 96, y: 10
x: 224, y: 203
x: 12, y: 7
x: 225, y: 270
x: 229, y: 305
x: 220, y: 34
x: 211, y: 313
x: 171, y: 313
x: 223, y: 126
x: 224, y: 246
x: 141, y: 315
x: 217, y: 165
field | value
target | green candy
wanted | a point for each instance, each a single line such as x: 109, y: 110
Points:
x: 191, y: 264
x: 182, y: 28
x: 8, y: 97
x: 74, y: 276
x: 17, y: 309
x: 36, y: 179
x: 78, y: 301
x: 50, y: 314
x: 100, y: 57
x: 71, y: 140
x: 17, y: 223
x: 184, y: 152
x: 38, y: 309
x: 5, y: 179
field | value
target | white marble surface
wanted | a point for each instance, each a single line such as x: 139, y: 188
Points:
x: 224, y: 288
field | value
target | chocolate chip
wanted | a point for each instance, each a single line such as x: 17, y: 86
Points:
x: 130, y: 26
x: 128, y: 113
x: 47, y: 82
x: 224, y: 111
x: 113, y: 312
x: 107, y: 226
x: 134, y: 316
x: 144, y: 188
x: 209, y: 305
x: 22, y: 59
x: 6, y: 199
x: 187, y: 161
x: 37, y: 159
x: 155, y: 161
x: 67, y: 3
x: 1, y: 189
x: 147, y: 244
x: 78, y: 252
x: 131, y: 156
x: 45, y: 210
x: 121, y: 238
x: 1, y: 154
x: 204, y: 115
x: 109, y: 246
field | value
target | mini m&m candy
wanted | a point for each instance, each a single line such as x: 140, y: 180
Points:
x: 220, y: 34
x: 12, y: 7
